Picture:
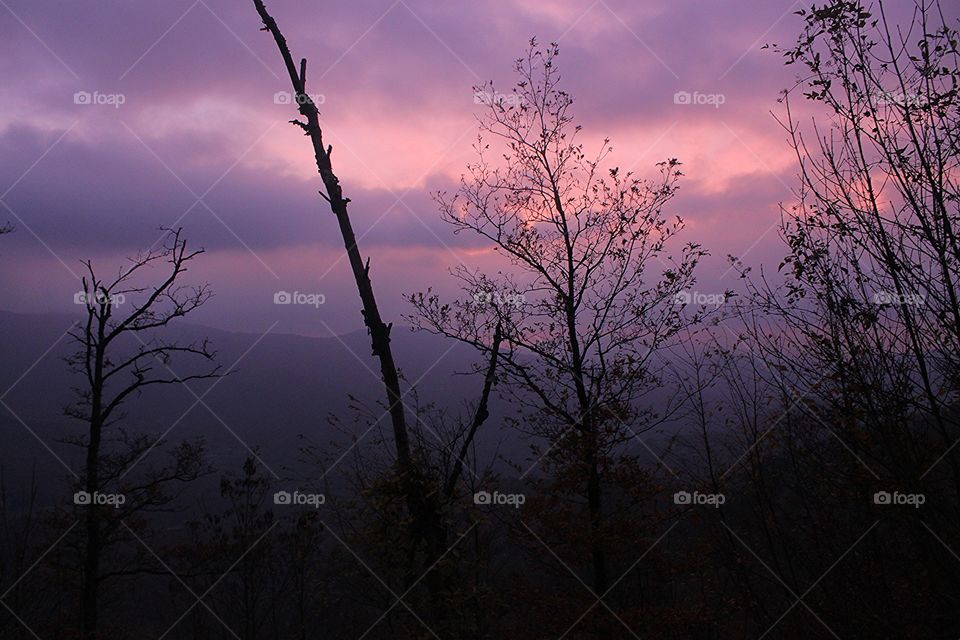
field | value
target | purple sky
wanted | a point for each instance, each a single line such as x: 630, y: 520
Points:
x: 199, y: 141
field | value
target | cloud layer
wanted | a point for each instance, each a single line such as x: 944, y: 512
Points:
x: 177, y: 123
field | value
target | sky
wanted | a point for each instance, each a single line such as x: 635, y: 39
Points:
x: 120, y: 117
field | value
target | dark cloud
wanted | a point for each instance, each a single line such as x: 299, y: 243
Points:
x: 115, y: 193
x: 197, y: 80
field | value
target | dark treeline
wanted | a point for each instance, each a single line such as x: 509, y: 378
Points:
x: 776, y: 461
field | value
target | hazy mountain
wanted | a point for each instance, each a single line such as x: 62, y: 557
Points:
x: 280, y: 385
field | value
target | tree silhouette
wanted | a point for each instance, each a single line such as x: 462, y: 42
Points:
x: 120, y: 354
x: 425, y: 503
x: 583, y: 317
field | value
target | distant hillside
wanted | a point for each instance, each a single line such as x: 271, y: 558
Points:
x: 282, y: 385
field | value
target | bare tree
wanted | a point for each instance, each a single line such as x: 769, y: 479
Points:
x: 583, y: 316
x: 875, y: 236
x: 378, y: 329
x: 854, y: 345
x: 423, y: 501
x: 120, y: 355
x: 870, y: 306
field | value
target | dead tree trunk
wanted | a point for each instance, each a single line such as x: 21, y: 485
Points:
x: 379, y: 331
x: 424, y: 504
x: 424, y: 512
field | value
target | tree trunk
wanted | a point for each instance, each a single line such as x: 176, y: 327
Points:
x: 91, y: 560
x: 598, y: 553
x: 379, y: 331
